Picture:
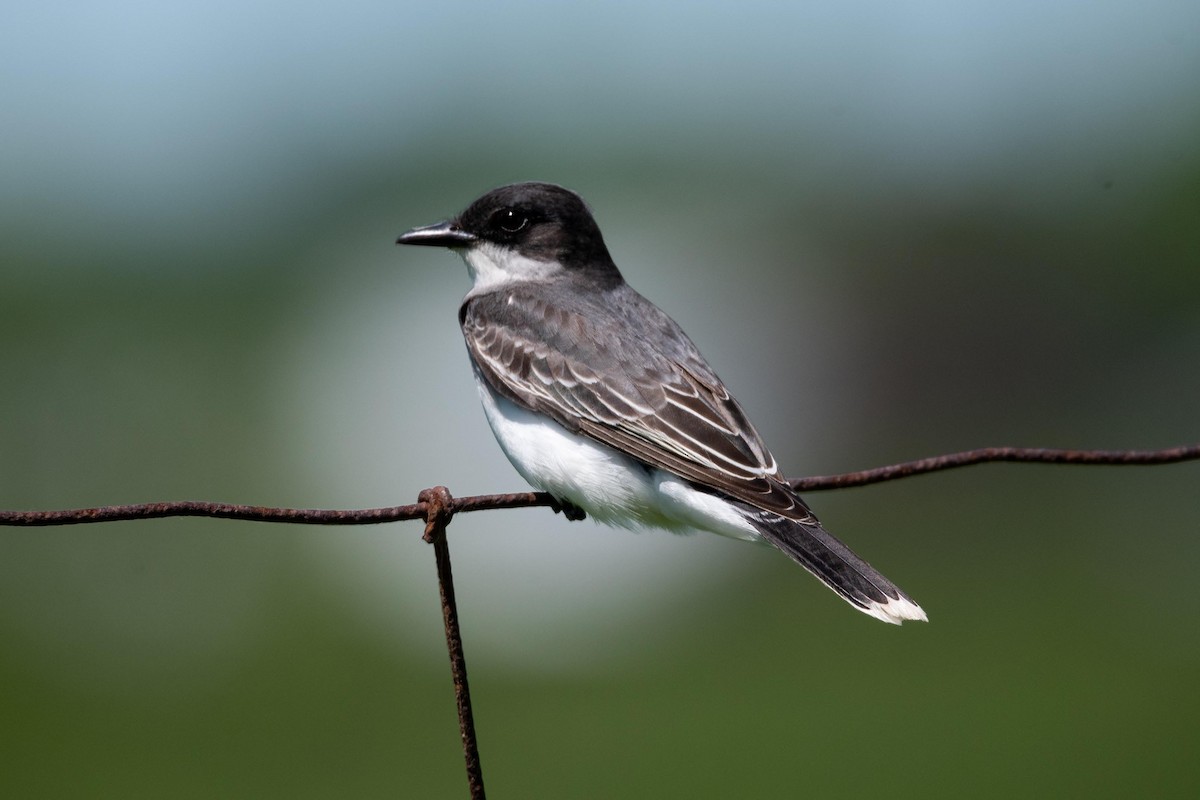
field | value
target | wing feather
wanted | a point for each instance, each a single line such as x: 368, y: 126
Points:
x: 659, y: 402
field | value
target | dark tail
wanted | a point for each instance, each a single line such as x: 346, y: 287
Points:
x: 835, y: 565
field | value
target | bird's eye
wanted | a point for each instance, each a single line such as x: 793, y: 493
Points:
x: 510, y: 220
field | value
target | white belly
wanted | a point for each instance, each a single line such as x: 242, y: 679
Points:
x: 610, y: 486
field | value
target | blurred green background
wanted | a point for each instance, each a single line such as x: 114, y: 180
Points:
x: 895, y: 229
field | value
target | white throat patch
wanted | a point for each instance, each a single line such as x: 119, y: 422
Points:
x: 492, y: 266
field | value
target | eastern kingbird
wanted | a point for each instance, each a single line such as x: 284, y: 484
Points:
x: 597, y: 397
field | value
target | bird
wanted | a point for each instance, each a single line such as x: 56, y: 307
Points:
x: 600, y: 399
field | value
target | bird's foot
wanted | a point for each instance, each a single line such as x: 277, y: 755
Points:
x: 567, y: 509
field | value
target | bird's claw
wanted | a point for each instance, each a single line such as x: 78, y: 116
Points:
x: 567, y: 509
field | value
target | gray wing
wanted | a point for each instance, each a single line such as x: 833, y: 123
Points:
x: 659, y: 401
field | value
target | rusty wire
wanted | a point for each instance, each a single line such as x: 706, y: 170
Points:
x: 1169, y: 455
x: 487, y: 502
x: 438, y: 503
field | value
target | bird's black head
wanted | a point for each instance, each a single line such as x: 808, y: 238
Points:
x: 539, y: 221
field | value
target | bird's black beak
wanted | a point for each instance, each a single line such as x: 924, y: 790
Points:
x: 439, y: 234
